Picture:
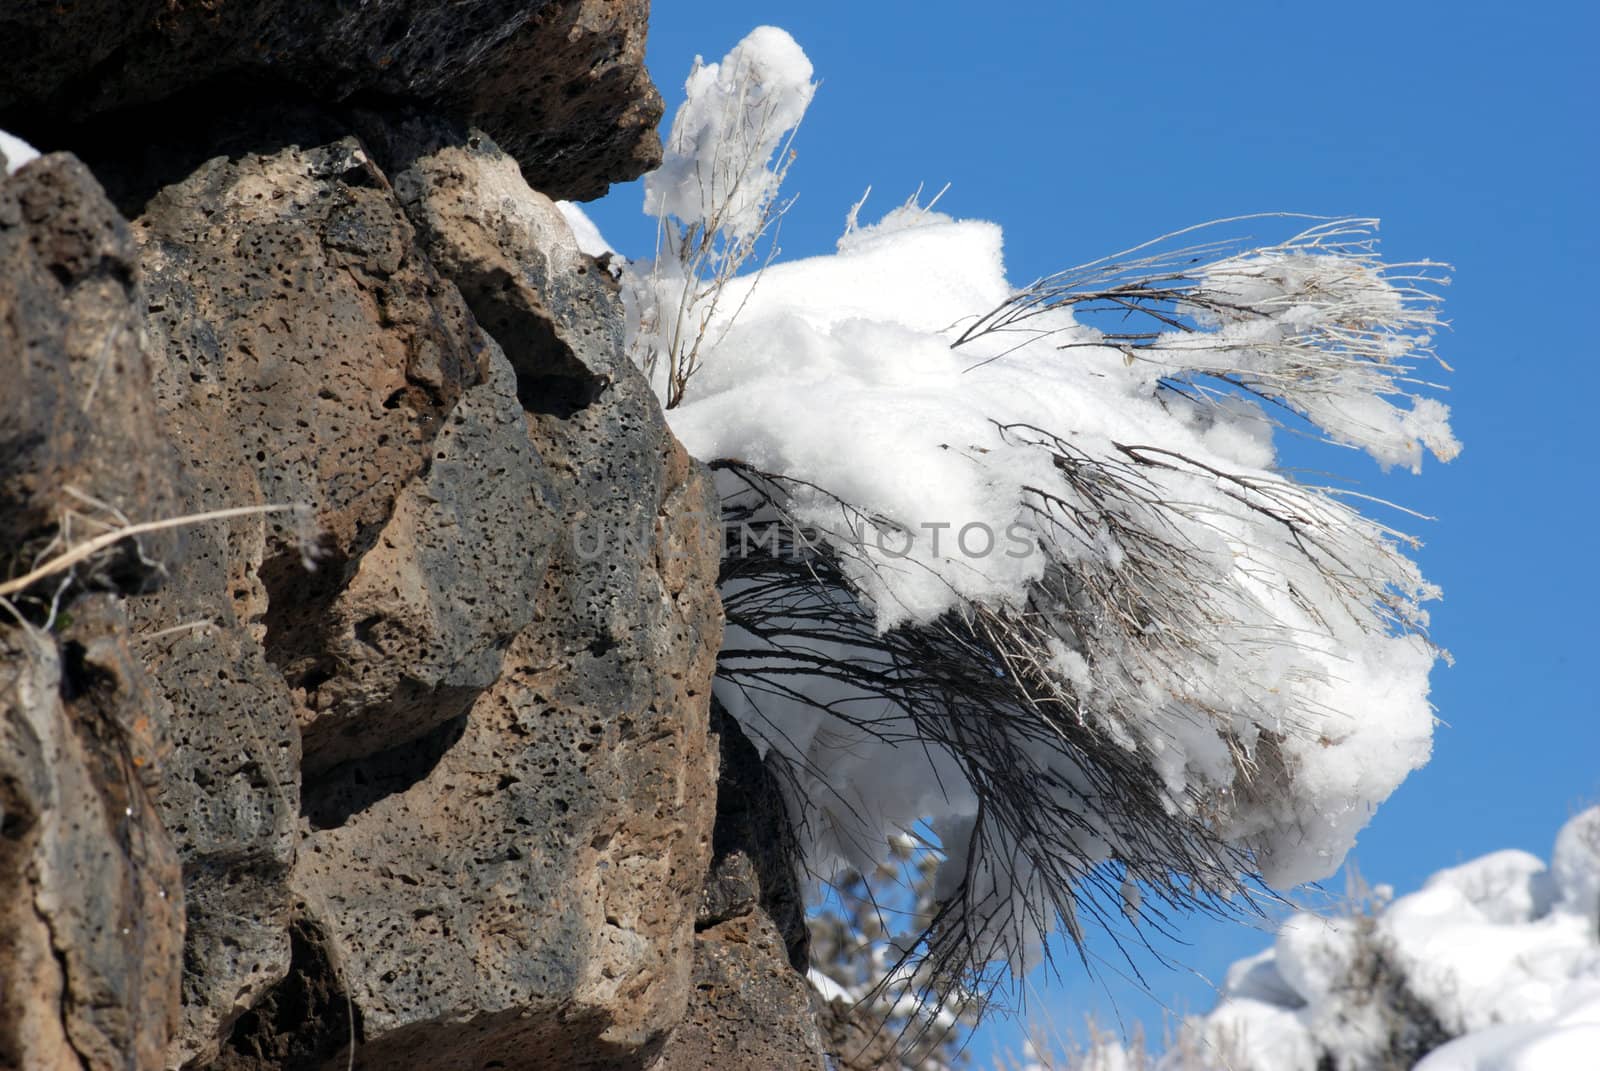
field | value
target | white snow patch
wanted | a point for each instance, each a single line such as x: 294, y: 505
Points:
x: 587, y: 235
x: 736, y: 116
x: 16, y: 151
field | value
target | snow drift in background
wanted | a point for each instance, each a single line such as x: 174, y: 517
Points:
x: 1059, y: 607
x: 1501, y: 954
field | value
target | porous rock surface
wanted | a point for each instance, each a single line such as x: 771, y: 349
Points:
x: 752, y: 1007
x: 91, y: 899
x: 405, y: 760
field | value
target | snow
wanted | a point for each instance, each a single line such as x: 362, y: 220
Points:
x: 1323, y: 305
x: 1509, y: 886
x: 1575, y: 866
x: 839, y: 372
x: 827, y: 988
x: 16, y: 151
x: 584, y: 231
x: 1249, y: 1035
x: 1257, y: 641
x: 1502, y: 952
x: 1567, y: 1042
x: 736, y: 116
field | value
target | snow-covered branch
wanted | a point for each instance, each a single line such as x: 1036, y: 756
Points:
x: 1027, y: 582
x: 715, y: 199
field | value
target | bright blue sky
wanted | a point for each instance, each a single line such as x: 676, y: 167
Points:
x: 1469, y: 128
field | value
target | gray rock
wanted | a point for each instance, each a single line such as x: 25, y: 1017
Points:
x: 307, y: 353
x: 755, y: 857
x: 752, y: 1007
x: 522, y: 887
x: 312, y: 356
x: 450, y: 793
x: 751, y: 1010
x: 78, y: 430
x: 91, y: 905
x: 229, y: 793
x: 91, y: 916
x: 419, y: 630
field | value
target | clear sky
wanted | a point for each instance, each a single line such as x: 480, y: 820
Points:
x: 1469, y: 128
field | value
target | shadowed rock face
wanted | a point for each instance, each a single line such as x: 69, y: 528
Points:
x: 752, y: 1007
x: 76, y: 410
x: 560, y: 83
x: 91, y: 902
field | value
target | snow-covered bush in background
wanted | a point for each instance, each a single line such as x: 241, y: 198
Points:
x: 1021, y: 579
x: 1501, y: 954
x: 1493, y: 965
x: 872, y: 1014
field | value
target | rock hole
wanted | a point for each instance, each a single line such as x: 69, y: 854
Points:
x: 305, y: 1020
x: 330, y: 799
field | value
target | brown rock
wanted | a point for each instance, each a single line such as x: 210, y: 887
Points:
x: 855, y: 1042
x: 312, y: 356
x: 229, y: 793
x: 520, y: 884
x: 449, y: 794
x: 530, y: 897
x: 752, y: 1008
x: 91, y: 916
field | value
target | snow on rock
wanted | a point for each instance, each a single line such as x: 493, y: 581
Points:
x: 1248, y: 1035
x: 1508, y: 886
x: 588, y: 236
x: 1499, y: 953
x: 16, y: 152
x: 1568, y: 1042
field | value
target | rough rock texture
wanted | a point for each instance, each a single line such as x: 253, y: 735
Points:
x: 90, y: 897
x: 510, y: 253
x: 77, y: 421
x: 413, y: 753
x: 228, y: 792
x: 561, y: 832
x: 853, y: 1040
x: 752, y: 1007
x: 315, y: 357
x: 499, y: 668
x: 91, y: 915
x: 307, y: 355
x: 560, y: 83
